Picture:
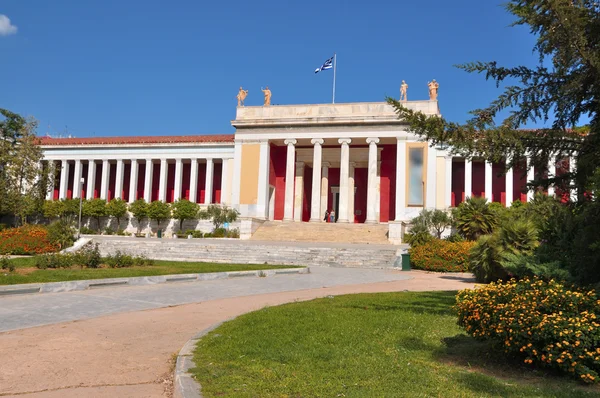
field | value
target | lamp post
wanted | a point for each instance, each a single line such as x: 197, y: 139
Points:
x: 81, y: 180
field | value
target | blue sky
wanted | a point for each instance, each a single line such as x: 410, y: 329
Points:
x: 158, y: 67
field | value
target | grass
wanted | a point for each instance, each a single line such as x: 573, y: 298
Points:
x: 159, y: 268
x: 367, y: 345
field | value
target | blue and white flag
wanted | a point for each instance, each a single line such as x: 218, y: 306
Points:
x: 326, y: 65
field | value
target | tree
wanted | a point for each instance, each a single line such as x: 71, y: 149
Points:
x: 117, y: 208
x: 53, y: 209
x: 219, y: 215
x: 95, y: 208
x: 564, y: 88
x: 474, y: 218
x: 23, y: 183
x: 183, y: 210
x: 159, y: 211
x: 139, y: 209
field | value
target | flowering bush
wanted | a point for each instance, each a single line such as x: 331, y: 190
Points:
x: 547, y: 323
x: 441, y: 255
x: 28, y: 239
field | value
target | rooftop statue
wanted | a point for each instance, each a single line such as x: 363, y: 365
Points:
x: 267, y: 96
x: 433, y: 90
x: 403, y: 89
x: 242, y: 94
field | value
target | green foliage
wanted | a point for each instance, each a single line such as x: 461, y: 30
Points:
x: 194, y: 233
x: 119, y: 260
x: 88, y: 231
x: 53, y: 209
x: 522, y: 266
x: 219, y: 215
x: 95, y: 208
x: 6, y: 265
x: 158, y: 211
x: 183, y: 210
x: 139, y: 209
x: 431, y: 221
x: 474, y: 218
x: 61, y: 233
x: 515, y: 237
x: 117, y: 208
x: 88, y: 256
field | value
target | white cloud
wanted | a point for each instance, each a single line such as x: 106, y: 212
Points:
x: 6, y: 28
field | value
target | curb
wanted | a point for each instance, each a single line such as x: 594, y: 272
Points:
x: 184, y: 384
x: 59, y: 287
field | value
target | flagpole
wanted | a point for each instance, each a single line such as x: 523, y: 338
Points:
x: 334, y: 67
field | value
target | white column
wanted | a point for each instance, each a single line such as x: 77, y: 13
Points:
x: 133, y: 180
x: 372, y: 182
x: 468, y: 178
x: 104, y: 180
x: 530, y: 177
x: 551, y: 172
x: 431, y: 171
x: 64, y: 180
x: 315, y: 203
x: 237, y: 174
x: 299, y: 191
x: 263, y: 181
x: 351, y: 191
x: 324, y: 189
x: 162, y: 182
x: 224, y: 179
x: 51, y: 179
x: 509, y: 186
x: 344, y: 173
x: 400, y: 178
x: 208, y: 185
x: 572, y: 169
x: 194, y: 180
x: 448, y: 184
x: 119, y: 180
x: 488, y: 181
x: 290, y: 167
x: 77, y: 179
x: 91, y: 179
x: 178, y: 179
x: 148, y: 181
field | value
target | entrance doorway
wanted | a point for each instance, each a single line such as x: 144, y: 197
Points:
x: 335, y: 191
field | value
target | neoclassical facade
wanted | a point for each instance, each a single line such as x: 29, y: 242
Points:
x: 291, y: 163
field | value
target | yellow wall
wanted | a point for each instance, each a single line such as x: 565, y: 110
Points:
x: 249, y: 175
x: 440, y: 189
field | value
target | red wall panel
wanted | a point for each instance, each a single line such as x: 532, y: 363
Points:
x: 126, y: 181
x: 170, y: 182
x: 387, y: 188
x: 217, y: 171
x: 185, y: 185
x: 360, y: 196
x: 307, y: 192
x: 141, y: 181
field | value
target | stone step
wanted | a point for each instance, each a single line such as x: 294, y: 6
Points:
x: 245, y: 253
x: 322, y: 232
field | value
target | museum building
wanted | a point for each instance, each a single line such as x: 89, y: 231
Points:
x: 290, y: 163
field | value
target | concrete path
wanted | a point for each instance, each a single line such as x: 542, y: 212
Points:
x: 128, y: 353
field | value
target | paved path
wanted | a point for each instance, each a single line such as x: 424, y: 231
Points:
x: 114, y: 349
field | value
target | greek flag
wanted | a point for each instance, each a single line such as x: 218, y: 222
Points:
x: 326, y: 65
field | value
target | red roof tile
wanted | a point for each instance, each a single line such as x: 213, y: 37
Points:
x: 138, y: 140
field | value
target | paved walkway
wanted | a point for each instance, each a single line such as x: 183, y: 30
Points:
x: 110, y: 348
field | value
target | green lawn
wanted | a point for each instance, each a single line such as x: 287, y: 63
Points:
x: 159, y: 268
x: 367, y: 345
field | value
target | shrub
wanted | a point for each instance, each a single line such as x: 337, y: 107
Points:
x: 233, y: 233
x: 142, y: 261
x: 441, y: 255
x: 28, y: 239
x: 108, y: 231
x: 546, y: 323
x: 516, y: 237
x: 61, y: 233
x: 219, y: 233
x: 119, y: 260
x: 88, y: 231
x: 219, y: 215
x: 6, y: 264
x: 54, y: 261
x: 88, y: 256
x: 474, y: 218
x: 194, y: 233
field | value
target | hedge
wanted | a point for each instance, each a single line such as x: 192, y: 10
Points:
x: 28, y: 239
x: 441, y: 255
x: 547, y: 324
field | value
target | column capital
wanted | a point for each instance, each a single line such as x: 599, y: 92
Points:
x: 290, y: 141
x: 352, y: 164
x: 343, y: 141
x: 372, y: 140
x: 318, y: 141
x: 325, y: 164
x: 449, y: 158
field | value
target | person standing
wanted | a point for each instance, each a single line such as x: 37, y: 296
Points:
x: 332, y: 216
x: 326, y: 219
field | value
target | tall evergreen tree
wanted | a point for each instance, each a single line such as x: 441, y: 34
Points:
x: 563, y: 90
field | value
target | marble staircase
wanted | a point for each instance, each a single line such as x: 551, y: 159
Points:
x: 322, y: 232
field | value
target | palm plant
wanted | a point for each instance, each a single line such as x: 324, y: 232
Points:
x: 474, y: 218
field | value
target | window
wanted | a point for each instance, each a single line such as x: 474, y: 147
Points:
x: 416, y: 183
